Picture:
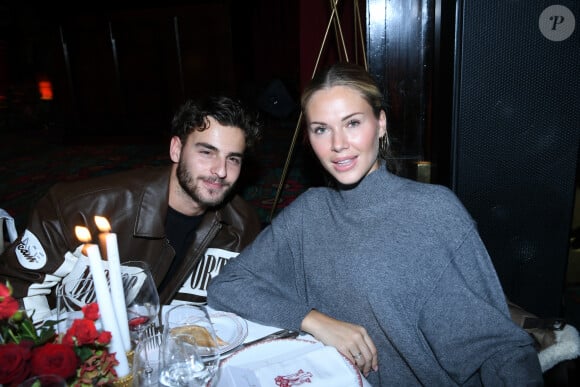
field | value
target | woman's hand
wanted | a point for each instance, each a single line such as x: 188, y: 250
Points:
x: 349, y: 339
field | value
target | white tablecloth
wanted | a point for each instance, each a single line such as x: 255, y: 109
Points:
x: 328, y: 356
x: 279, y: 358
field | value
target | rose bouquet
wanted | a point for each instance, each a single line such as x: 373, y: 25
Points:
x: 80, y: 355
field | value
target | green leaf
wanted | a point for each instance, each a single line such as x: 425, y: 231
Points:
x: 84, y: 352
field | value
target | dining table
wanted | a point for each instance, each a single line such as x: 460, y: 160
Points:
x: 271, y: 356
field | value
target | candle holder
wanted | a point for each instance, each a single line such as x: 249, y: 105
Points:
x: 130, y: 355
x: 126, y: 381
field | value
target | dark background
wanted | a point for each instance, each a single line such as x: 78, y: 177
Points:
x: 121, y: 70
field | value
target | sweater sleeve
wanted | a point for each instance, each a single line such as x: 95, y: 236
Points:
x: 265, y: 282
x: 467, y: 325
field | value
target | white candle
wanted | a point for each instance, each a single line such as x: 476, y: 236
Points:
x: 106, y: 306
x: 108, y: 241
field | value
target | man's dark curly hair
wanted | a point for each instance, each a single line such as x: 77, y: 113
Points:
x: 193, y: 115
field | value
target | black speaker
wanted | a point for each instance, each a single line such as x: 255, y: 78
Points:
x: 515, y: 138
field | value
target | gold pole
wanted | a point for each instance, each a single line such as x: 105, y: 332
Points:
x: 338, y: 32
x: 358, y: 27
x: 297, y: 129
x: 285, y: 170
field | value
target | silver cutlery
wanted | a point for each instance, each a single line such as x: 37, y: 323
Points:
x: 281, y: 334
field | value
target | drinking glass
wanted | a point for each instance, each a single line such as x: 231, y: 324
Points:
x: 147, y: 361
x: 141, y: 298
x: 190, y: 347
x: 71, y: 296
x: 181, y: 363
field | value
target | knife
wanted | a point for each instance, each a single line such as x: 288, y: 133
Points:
x: 281, y: 334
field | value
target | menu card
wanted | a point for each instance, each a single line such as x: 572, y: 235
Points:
x: 311, y: 365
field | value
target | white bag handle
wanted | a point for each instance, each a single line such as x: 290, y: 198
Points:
x: 5, y: 218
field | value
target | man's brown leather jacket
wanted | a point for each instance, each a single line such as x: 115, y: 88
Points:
x: 135, y: 203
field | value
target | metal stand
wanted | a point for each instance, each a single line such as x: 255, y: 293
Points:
x: 334, y: 20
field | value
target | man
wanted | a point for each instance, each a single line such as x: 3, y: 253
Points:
x: 183, y: 220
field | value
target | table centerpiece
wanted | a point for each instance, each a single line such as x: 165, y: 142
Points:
x: 80, y: 355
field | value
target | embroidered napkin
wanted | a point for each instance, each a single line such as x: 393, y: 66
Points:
x: 311, y: 365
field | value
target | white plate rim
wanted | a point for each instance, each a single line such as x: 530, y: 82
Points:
x: 225, y: 361
x: 238, y: 322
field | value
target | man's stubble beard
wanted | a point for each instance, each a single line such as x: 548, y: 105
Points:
x: 189, y: 185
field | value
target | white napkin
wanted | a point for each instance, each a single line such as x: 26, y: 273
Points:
x: 312, y: 365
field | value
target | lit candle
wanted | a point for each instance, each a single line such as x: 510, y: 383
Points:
x: 106, y: 310
x: 108, y: 242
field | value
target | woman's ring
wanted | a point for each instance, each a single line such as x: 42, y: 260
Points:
x: 357, y: 356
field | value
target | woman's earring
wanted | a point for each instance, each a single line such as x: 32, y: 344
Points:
x: 384, y: 143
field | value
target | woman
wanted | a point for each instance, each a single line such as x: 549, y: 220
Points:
x: 389, y: 271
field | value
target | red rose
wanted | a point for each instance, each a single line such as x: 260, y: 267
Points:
x: 4, y: 291
x: 104, y: 337
x: 83, y: 330
x: 14, y: 367
x: 8, y: 306
x: 91, y: 311
x: 56, y: 359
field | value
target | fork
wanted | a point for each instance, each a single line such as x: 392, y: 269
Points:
x: 149, y: 343
x: 150, y: 331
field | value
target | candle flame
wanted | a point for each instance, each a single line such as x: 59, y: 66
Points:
x: 83, y: 234
x: 102, y: 224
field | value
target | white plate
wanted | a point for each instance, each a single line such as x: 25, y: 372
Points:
x: 273, y: 348
x: 230, y: 327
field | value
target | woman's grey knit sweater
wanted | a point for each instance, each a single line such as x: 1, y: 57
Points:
x: 401, y: 258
